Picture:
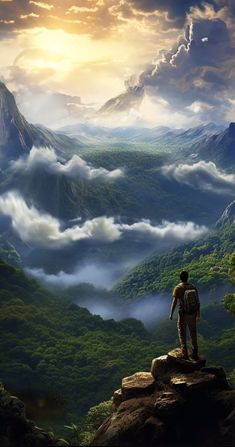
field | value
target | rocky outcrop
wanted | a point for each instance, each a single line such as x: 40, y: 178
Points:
x: 16, y: 430
x: 180, y: 402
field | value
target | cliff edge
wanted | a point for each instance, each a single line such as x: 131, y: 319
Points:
x: 179, y: 402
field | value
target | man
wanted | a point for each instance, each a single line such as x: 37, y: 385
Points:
x: 189, y: 313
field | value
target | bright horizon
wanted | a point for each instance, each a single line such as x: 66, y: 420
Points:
x: 97, y: 49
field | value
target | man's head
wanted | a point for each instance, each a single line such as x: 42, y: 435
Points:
x: 184, y: 276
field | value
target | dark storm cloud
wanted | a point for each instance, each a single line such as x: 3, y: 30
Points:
x: 196, y: 76
x: 199, y: 68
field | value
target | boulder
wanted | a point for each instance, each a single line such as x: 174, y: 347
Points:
x: 117, y: 398
x: 138, y: 384
x: 160, y: 367
x: 176, y: 361
x: 194, y: 381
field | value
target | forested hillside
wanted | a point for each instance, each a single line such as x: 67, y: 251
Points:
x: 207, y: 259
x: 58, y: 353
x: 61, y: 359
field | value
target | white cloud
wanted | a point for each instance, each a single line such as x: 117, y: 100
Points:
x: 178, y: 230
x: 44, y: 230
x: 202, y: 175
x: 198, y: 107
x: 75, y: 167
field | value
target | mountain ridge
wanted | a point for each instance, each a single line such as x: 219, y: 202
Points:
x: 17, y: 136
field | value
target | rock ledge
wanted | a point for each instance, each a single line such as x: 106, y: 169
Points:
x: 163, y: 406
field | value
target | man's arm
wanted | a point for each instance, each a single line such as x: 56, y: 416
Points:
x: 173, y: 306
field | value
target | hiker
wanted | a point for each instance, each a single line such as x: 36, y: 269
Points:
x: 189, y: 313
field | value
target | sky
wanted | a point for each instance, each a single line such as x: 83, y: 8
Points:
x: 74, y: 56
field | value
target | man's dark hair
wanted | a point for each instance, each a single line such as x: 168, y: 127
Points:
x: 184, y: 276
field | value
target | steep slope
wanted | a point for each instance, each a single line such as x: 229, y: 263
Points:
x: 219, y: 148
x: 207, y: 260
x: 17, y: 136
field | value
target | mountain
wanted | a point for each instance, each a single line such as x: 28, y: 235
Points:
x: 123, y: 102
x: 177, y: 138
x: 161, y: 135
x: 219, y: 148
x: 17, y: 136
x: 207, y: 260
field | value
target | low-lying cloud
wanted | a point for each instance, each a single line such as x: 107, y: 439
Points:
x: 74, y: 168
x: 202, y: 175
x: 45, y: 230
x: 40, y: 228
x: 147, y: 309
x: 98, y: 274
x: 178, y: 230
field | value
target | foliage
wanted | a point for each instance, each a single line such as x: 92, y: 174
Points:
x: 83, y: 433
x: 61, y: 360
x: 207, y: 260
x: 229, y: 302
x: 229, y: 299
x: 68, y: 358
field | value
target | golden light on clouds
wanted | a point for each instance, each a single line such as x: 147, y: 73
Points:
x: 88, y: 48
x: 42, y: 5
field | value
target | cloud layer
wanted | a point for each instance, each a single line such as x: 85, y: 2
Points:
x: 76, y: 167
x: 42, y: 229
x: 202, y: 175
x: 178, y: 230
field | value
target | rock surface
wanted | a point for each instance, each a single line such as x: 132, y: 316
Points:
x: 139, y: 383
x: 16, y: 430
x: 165, y: 409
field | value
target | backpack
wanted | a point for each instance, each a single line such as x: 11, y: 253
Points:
x: 191, y: 300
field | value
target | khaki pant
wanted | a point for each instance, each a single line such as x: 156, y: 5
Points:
x: 190, y: 321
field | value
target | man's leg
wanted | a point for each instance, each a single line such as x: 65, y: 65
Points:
x: 181, y: 324
x: 191, y: 322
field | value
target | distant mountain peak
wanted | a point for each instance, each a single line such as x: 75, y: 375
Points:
x: 123, y: 102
